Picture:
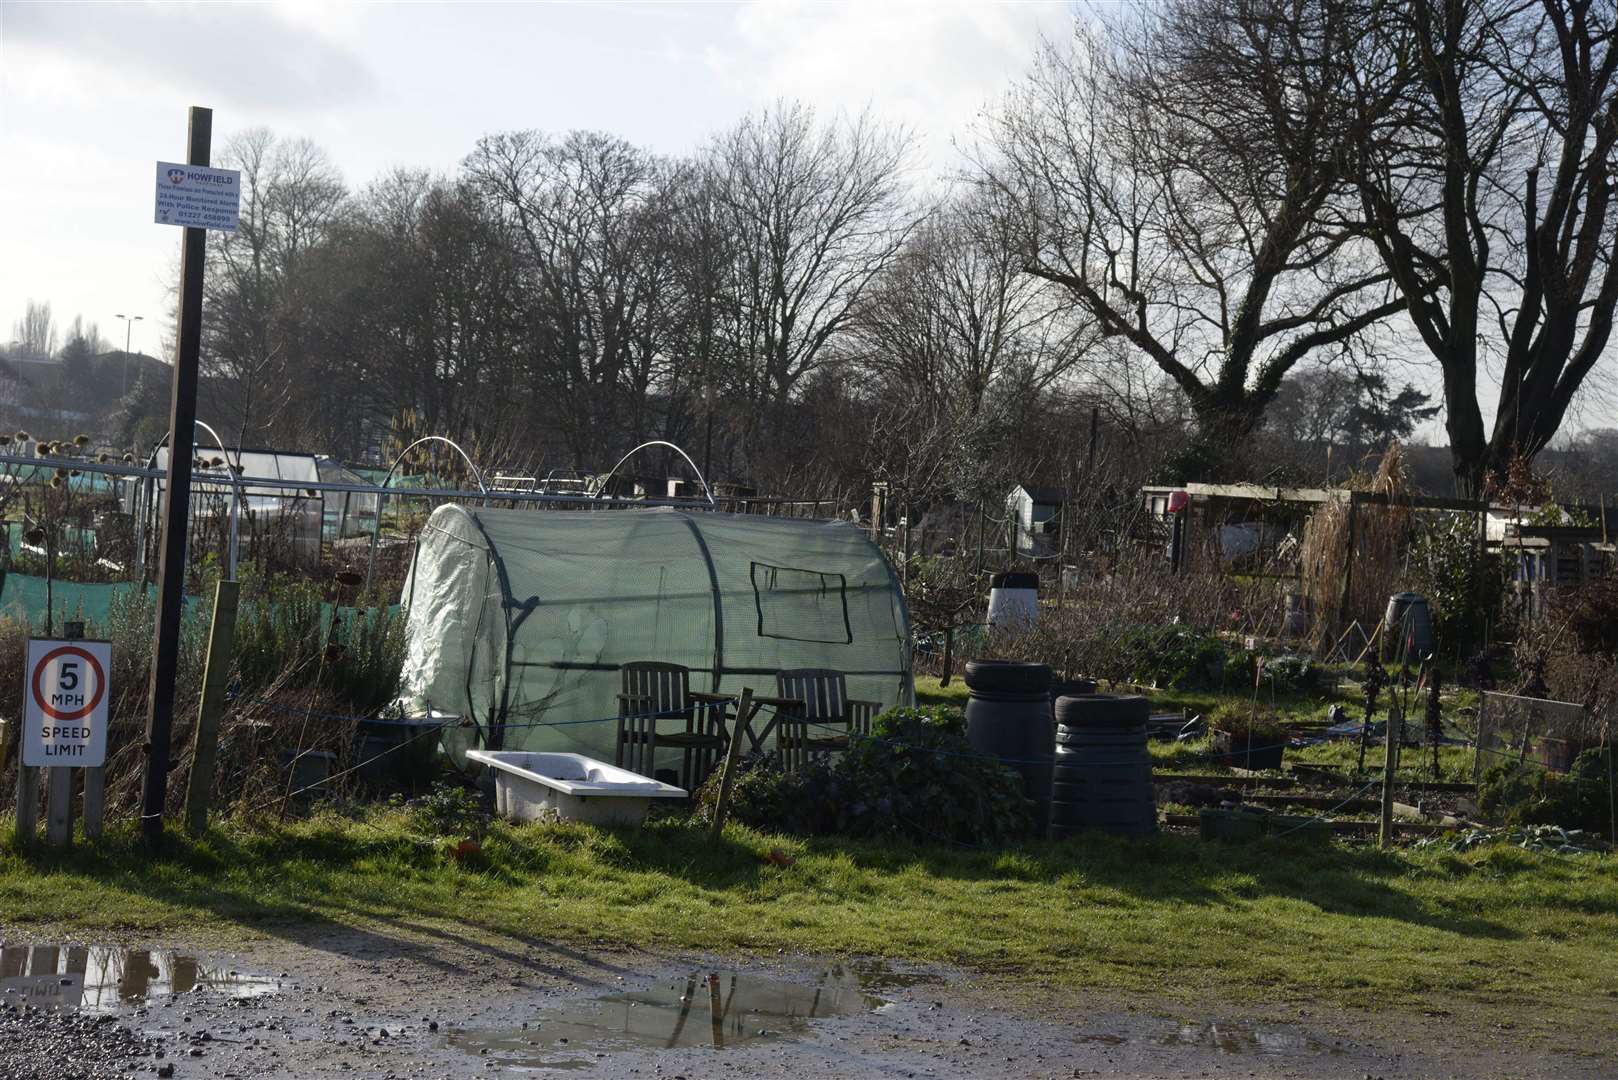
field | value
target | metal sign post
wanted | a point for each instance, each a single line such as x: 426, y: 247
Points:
x: 177, y: 492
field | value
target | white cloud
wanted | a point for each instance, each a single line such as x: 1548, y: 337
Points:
x: 243, y: 55
x: 931, y: 67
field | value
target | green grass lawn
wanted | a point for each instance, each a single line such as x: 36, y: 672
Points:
x: 1269, y: 922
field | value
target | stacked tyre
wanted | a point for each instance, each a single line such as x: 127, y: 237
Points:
x: 1102, y: 776
x: 1008, y: 715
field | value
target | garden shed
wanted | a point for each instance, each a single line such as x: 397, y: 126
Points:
x: 522, y: 619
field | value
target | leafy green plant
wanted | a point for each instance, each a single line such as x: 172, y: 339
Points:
x: 1465, y: 586
x: 448, y: 810
x: 1178, y: 658
x: 1245, y: 726
x: 916, y: 778
x: 288, y: 636
x: 1519, y: 795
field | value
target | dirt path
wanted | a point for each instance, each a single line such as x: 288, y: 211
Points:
x: 396, y: 1002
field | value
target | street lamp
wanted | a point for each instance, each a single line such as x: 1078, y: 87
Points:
x: 129, y: 325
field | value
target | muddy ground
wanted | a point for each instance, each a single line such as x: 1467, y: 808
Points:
x: 397, y: 1002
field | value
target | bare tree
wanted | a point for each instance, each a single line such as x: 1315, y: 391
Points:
x: 954, y: 312
x: 35, y: 332
x: 1489, y: 192
x: 1181, y: 176
x: 816, y: 210
x: 255, y: 333
x: 577, y: 208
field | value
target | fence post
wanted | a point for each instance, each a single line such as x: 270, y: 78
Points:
x: 59, y: 807
x: 722, y: 804
x: 27, y: 800
x: 95, y: 801
x: 215, y: 675
x: 1390, y: 766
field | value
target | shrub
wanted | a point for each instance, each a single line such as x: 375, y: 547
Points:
x: 915, y: 778
x: 1247, y: 727
x: 1177, y: 658
x: 1465, y: 586
x: 1514, y: 794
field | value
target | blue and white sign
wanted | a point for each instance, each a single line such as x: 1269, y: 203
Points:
x: 198, y: 197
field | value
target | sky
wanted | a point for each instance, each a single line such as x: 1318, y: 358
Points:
x: 93, y: 94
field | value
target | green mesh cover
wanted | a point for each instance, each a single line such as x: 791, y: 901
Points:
x: 521, y: 619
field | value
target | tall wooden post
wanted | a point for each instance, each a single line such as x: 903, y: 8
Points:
x: 176, y: 503
x: 1390, y: 767
x: 215, y: 676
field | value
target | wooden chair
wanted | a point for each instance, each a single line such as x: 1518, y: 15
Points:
x: 653, y: 693
x: 819, y: 705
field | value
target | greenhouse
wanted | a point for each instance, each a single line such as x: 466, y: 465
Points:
x: 523, y: 619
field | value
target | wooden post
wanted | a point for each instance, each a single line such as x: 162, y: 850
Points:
x: 59, y: 807
x: 27, y: 801
x: 95, y: 801
x: 176, y: 504
x: 1390, y: 766
x: 732, y: 752
x: 215, y: 676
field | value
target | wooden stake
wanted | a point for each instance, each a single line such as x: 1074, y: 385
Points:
x: 732, y: 753
x: 59, y: 807
x: 1390, y: 766
x: 27, y: 801
x: 95, y: 802
x: 215, y: 676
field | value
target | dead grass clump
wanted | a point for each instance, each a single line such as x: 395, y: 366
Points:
x: 1376, y: 550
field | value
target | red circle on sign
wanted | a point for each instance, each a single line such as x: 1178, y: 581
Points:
x: 95, y: 665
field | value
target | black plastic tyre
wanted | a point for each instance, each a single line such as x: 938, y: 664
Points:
x: 1102, y: 710
x: 1132, y: 734
x: 1007, y: 677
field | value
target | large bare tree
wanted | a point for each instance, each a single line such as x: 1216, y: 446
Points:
x: 256, y: 351
x: 1181, y: 174
x: 954, y: 313
x: 579, y: 209
x: 1490, y: 195
x: 816, y: 210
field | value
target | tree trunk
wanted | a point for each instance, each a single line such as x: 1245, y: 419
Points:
x: 949, y: 656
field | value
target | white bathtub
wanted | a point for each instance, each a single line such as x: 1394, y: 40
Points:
x: 529, y: 785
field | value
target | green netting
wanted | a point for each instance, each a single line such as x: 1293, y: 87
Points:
x: 522, y: 619
x: 23, y: 596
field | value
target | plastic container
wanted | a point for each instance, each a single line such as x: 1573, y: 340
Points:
x: 1013, y: 601
x: 529, y: 785
x: 1008, y: 714
x: 1102, y: 777
x: 1407, y: 628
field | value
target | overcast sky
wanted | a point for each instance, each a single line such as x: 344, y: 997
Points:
x: 92, y: 94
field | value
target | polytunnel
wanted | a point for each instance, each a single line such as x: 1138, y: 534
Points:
x: 522, y: 619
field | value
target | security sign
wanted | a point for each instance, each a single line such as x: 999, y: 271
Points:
x: 197, y: 196
x: 65, y: 694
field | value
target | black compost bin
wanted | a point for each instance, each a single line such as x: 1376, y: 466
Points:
x: 1102, y: 775
x: 1008, y: 714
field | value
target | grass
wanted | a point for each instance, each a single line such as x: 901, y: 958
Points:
x: 1265, y: 923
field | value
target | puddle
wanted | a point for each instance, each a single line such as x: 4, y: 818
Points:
x: 96, y: 978
x: 1245, y: 1039
x: 1218, y: 1037
x: 719, y: 1011
x: 878, y: 975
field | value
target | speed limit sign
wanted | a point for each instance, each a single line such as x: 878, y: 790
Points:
x: 65, y: 694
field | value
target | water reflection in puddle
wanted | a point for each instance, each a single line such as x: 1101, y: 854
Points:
x: 712, y: 1010
x: 1245, y: 1039
x: 1216, y: 1036
x: 96, y: 978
